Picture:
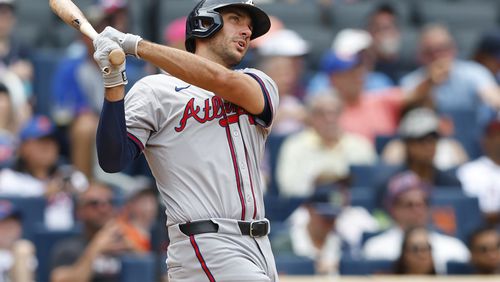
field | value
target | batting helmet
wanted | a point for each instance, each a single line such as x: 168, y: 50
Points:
x: 207, y: 12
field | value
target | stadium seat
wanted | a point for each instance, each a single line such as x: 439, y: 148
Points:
x: 381, y: 141
x: 279, y: 208
x: 350, y: 266
x: 362, y: 175
x: 293, y: 14
x: 466, y: 209
x: 45, y: 64
x: 45, y: 240
x: 363, y: 197
x: 355, y: 14
x: 138, y: 268
x: 459, y: 268
x: 460, y: 14
x: 294, y: 265
x: 273, y: 146
x: 33, y: 212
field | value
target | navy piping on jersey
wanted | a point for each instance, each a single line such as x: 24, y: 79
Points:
x: 235, y: 164
x: 136, y: 141
x: 201, y: 259
x: 267, y: 114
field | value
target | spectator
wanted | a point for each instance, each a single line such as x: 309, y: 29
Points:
x: 36, y: 173
x: 481, y: 177
x: 14, y: 55
x: 350, y: 48
x: 416, y: 255
x: 369, y: 113
x: 282, y: 58
x: 93, y: 256
x: 407, y: 201
x: 17, y: 256
x: 78, y: 95
x: 449, y: 152
x: 138, y: 217
x: 447, y: 83
x: 322, y: 153
x: 487, y: 52
x: 484, y: 245
x: 320, y: 228
x: 383, y: 26
x: 419, y: 133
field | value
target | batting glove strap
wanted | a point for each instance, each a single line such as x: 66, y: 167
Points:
x: 129, y: 43
x: 115, y: 77
x: 112, y: 75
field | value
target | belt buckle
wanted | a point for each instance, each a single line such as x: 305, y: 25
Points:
x: 257, y: 226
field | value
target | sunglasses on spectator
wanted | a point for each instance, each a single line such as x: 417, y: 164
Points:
x: 441, y: 48
x: 419, y: 248
x: 412, y: 204
x: 97, y: 203
x: 487, y: 248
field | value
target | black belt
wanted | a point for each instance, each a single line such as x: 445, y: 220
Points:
x: 256, y: 228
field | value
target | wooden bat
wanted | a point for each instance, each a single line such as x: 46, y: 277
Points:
x: 71, y: 14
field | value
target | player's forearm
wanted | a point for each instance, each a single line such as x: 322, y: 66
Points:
x: 232, y: 86
x: 114, y: 149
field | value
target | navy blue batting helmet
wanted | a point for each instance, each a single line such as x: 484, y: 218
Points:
x: 207, y: 12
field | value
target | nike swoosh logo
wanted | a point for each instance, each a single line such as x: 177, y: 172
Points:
x: 177, y: 88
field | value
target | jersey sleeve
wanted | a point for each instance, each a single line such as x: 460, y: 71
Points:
x: 271, y: 97
x: 142, y: 110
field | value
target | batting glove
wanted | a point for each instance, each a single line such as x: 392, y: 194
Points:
x: 127, y: 41
x: 112, y: 75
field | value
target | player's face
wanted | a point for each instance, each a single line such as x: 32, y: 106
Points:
x: 231, y: 43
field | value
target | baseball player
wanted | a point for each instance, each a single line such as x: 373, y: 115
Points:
x: 202, y: 127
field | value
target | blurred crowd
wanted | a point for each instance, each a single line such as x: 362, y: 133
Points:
x: 376, y: 157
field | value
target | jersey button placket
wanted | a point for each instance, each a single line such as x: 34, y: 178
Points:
x: 236, y: 133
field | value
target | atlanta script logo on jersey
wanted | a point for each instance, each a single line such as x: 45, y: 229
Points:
x: 213, y: 108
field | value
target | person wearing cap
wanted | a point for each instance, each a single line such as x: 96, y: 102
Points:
x: 418, y: 123
x: 16, y: 255
x: 36, y: 172
x: 369, y: 113
x: 407, y: 200
x: 324, y: 227
x: 487, y: 52
x: 481, y: 177
x: 323, y: 152
x: 281, y: 56
x: 447, y: 83
x: 419, y: 133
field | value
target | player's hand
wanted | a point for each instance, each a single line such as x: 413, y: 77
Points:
x: 114, y: 75
x: 127, y: 41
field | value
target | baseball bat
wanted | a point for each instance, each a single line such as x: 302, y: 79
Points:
x: 71, y: 14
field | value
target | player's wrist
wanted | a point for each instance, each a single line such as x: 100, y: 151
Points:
x: 116, y: 77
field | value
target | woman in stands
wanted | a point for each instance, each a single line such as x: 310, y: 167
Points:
x: 416, y: 254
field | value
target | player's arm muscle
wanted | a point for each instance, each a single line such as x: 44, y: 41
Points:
x: 236, y: 87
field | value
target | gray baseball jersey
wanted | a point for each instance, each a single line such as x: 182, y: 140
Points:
x: 205, y: 156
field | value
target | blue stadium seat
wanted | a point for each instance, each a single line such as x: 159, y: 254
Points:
x: 350, y: 266
x: 45, y: 64
x: 467, y: 213
x: 459, y: 268
x: 363, y: 197
x: 279, y: 208
x: 138, y: 268
x: 273, y: 146
x: 362, y: 175
x: 294, y: 265
x: 45, y: 240
x: 381, y: 141
x: 33, y: 212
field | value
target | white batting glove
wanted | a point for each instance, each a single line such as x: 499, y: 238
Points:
x: 112, y: 75
x: 127, y: 41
